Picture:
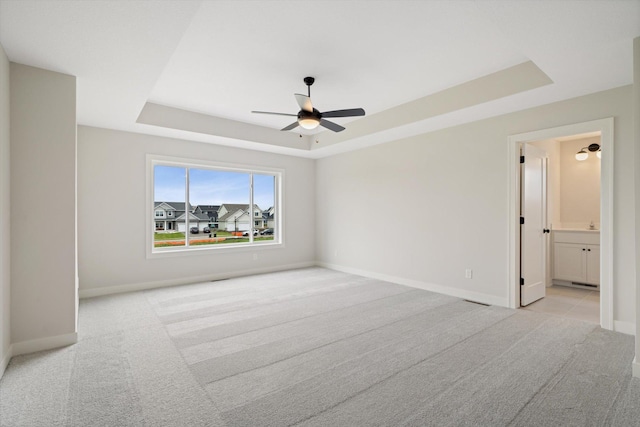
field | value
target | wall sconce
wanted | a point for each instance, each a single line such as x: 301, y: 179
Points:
x: 583, y: 154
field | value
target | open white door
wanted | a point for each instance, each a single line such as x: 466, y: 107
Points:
x: 534, y: 229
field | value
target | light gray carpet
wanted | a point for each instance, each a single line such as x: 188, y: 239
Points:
x: 316, y: 347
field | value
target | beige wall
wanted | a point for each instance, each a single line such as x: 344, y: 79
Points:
x: 5, y: 211
x: 43, y: 247
x: 579, y: 185
x: 455, y: 182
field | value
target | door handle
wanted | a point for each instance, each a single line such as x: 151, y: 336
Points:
x: 546, y: 230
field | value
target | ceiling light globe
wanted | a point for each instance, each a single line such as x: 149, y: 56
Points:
x: 599, y: 154
x: 582, y: 155
x: 309, y: 122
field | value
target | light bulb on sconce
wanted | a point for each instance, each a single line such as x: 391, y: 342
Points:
x: 583, y: 154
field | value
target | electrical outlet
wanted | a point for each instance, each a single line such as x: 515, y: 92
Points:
x: 335, y: 253
x: 468, y: 273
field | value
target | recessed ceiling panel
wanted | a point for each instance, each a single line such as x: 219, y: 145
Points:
x: 242, y: 56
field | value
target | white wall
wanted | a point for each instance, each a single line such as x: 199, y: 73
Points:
x: 43, y: 244
x: 579, y: 185
x: 5, y: 211
x: 112, y: 214
x: 450, y: 186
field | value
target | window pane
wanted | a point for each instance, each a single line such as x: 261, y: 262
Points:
x: 264, y: 197
x: 168, y: 206
x: 220, y: 202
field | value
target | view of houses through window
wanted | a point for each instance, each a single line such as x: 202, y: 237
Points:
x: 195, y: 206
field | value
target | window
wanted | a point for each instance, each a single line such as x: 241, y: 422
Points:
x: 159, y: 214
x: 235, y: 195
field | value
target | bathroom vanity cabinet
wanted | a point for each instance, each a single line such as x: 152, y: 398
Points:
x: 576, y: 256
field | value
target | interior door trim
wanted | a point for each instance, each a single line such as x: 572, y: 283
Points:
x: 605, y: 127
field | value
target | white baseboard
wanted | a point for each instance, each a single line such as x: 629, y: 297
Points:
x: 635, y: 367
x: 628, y: 328
x: 5, y: 360
x: 47, y: 343
x: 132, y: 287
x: 433, y: 287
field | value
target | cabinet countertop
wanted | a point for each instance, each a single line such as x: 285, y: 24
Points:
x: 577, y: 230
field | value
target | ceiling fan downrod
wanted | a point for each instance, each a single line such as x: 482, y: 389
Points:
x: 309, y: 81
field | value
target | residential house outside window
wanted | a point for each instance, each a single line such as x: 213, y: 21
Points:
x: 184, y: 194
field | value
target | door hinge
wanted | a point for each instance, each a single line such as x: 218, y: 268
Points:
x: 521, y: 159
x: 522, y: 281
x: 521, y: 220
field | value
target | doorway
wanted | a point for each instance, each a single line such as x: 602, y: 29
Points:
x: 604, y: 128
x: 564, y: 232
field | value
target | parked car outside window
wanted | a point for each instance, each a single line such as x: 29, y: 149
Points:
x: 194, y: 230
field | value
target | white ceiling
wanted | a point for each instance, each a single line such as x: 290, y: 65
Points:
x: 226, y: 58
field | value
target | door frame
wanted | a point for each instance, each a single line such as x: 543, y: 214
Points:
x: 605, y: 127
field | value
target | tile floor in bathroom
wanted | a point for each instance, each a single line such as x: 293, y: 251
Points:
x: 581, y: 304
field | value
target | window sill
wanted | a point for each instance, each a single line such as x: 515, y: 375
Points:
x: 208, y: 250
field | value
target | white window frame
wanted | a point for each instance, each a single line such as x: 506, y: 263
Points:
x: 278, y: 237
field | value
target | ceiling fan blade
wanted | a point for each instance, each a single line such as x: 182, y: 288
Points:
x: 331, y: 126
x: 304, y: 102
x: 291, y: 126
x: 275, y: 114
x: 352, y: 112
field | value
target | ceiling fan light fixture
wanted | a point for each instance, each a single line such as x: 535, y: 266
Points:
x: 309, y: 122
x: 310, y: 118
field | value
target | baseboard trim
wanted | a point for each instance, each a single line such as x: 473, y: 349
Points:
x: 47, y: 343
x: 628, y: 328
x: 133, y: 287
x: 433, y: 287
x: 635, y: 367
x: 6, y: 358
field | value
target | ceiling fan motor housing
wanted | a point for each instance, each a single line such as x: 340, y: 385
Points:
x: 315, y: 114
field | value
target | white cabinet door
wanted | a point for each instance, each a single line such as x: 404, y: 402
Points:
x: 570, y: 262
x: 593, y: 264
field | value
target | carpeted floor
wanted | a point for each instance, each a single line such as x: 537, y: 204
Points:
x: 316, y: 347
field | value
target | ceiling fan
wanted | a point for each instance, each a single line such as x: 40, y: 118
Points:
x: 310, y: 118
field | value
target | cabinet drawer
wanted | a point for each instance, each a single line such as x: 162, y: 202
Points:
x: 585, y: 237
